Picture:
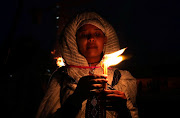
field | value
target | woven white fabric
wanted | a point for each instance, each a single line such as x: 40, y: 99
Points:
x: 94, y: 22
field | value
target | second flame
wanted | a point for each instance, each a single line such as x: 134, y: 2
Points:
x: 60, y: 61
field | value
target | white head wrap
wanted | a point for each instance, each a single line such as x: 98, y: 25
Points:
x: 94, y: 22
x: 69, y: 48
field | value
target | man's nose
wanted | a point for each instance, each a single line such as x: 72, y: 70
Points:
x: 90, y: 38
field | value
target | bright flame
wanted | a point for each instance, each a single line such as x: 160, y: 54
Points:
x: 112, y: 59
x: 60, y: 61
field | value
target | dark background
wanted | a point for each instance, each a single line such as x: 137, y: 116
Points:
x: 30, y: 30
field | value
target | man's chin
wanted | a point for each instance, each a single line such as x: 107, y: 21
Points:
x: 93, y: 56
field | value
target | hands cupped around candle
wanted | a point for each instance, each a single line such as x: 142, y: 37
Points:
x: 96, y: 83
x: 90, y: 83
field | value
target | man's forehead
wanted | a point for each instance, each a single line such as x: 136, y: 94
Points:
x: 87, y: 27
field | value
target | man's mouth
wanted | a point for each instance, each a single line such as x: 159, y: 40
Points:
x: 92, y: 47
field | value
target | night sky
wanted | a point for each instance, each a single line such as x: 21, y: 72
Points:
x: 149, y: 28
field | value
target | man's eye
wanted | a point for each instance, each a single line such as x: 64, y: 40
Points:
x: 97, y: 34
x: 83, y: 35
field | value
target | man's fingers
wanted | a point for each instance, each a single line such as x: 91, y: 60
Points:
x: 93, y: 81
x: 115, y: 94
x: 96, y: 86
x: 101, y: 76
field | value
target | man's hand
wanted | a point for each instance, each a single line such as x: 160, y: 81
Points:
x: 89, y: 83
x: 115, y: 100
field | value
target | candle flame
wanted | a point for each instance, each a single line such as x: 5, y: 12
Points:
x: 112, y: 59
x: 59, y: 61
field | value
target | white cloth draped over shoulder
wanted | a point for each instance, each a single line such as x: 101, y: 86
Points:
x: 53, y: 98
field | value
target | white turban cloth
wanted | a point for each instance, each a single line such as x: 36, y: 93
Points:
x: 94, y: 22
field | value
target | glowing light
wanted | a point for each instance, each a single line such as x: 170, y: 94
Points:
x: 111, y: 60
x: 60, y: 61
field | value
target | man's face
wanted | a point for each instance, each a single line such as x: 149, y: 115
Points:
x: 90, y: 41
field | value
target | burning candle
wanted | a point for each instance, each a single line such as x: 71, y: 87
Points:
x: 110, y: 60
